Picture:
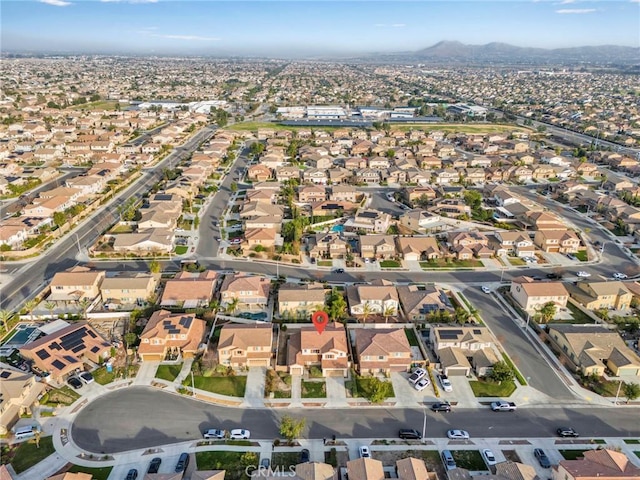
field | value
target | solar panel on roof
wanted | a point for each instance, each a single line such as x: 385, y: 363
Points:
x: 369, y: 214
x: 477, y: 332
x: 43, y: 354
x: 78, y: 348
x: 95, y: 349
x: 58, y: 364
x: 69, y: 358
x: 186, y: 322
x: 55, y: 346
x: 167, y: 323
x: 91, y: 334
x: 5, y: 374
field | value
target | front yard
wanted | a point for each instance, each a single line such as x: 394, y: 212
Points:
x: 390, y: 264
x: 233, y: 462
x: 443, y: 263
x: 60, y: 396
x: 469, y: 459
x: 364, y: 387
x: 27, y: 454
x: 97, y: 473
x: 482, y: 388
x: 168, y: 372
x: 103, y: 377
x: 315, y: 389
x: 232, y: 386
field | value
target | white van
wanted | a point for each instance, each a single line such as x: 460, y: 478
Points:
x: 25, y: 432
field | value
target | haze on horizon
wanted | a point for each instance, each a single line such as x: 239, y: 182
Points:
x: 280, y: 28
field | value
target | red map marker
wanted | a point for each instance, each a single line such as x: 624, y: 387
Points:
x: 320, y: 320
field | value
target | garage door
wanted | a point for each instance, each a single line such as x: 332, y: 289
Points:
x: 334, y: 373
x: 457, y: 372
x: 258, y: 362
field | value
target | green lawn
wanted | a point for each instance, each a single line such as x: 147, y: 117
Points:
x: 60, y: 396
x: 233, y: 386
x: 604, y: 387
x: 168, y: 372
x: 578, y: 315
x: 486, y: 389
x: 411, y: 336
x: 469, y: 459
x: 362, y: 387
x: 285, y: 459
x: 97, y: 473
x: 103, y: 377
x: 27, y: 454
x: 181, y: 249
x: 233, y: 462
x: 313, y: 390
x: 516, y: 262
x: 581, y: 255
x: 516, y: 372
x: 442, y: 263
x: 637, y: 454
x: 325, y: 263
x: 571, y: 454
x: 390, y: 264
x: 631, y: 441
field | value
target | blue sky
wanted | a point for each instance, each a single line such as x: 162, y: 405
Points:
x: 309, y: 27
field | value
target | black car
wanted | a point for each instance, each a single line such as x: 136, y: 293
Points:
x: 154, y: 466
x: 183, y: 462
x: 304, y: 456
x: 409, y: 434
x: 543, y: 460
x: 74, y: 382
x: 567, y: 432
x: 131, y: 474
x: 339, y: 270
x: 441, y: 407
x: 554, y: 276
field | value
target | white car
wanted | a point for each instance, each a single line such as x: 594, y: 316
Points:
x: 458, y: 434
x: 86, y: 377
x: 620, y: 276
x: 364, y: 452
x: 486, y: 289
x: 239, y: 433
x: 446, y: 383
x: 583, y: 274
x: 417, y: 374
x: 422, y: 384
x: 214, y: 433
x: 489, y: 457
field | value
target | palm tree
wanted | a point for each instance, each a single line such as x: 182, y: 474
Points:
x: 366, y: 311
x: 5, y: 317
x: 388, y: 311
x: 51, y: 306
x: 30, y: 306
x: 84, y: 303
x: 232, y: 306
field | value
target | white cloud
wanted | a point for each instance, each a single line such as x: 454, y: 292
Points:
x: 578, y: 11
x: 393, y: 25
x: 566, y: 2
x: 399, y: 25
x: 56, y: 3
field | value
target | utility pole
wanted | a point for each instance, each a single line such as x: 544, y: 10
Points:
x: 618, y: 392
x: 424, y: 424
x: 193, y: 388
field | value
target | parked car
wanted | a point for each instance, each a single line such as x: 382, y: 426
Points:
x: 489, y: 457
x: 265, y: 462
x: 448, y: 460
x: 485, y: 289
x: 543, y: 460
x: 458, y: 434
x: 422, y: 384
x: 154, y: 466
x: 86, y: 377
x: 446, y: 383
x: 304, y: 456
x: 503, y: 406
x: 214, y: 433
x: 441, y: 407
x: 74, y: 382
x: 417, y: 374
x: 364, y: 452
x: 582, y: 274
x: 131, y: 474
x: 183, y: 462
x: 239, y: 433
x: 554, y: 276
x: 409, y: 434
x: 620, y: 276
x: 339, y: 270
x: 567, y: 432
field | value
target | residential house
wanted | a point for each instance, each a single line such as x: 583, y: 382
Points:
x: 418, y: 248
x: 251, y: 292
x: 446, y: 177
x: 379, y: 297
x: 326, y: 245
x: 315, y: 176
x: 329, y: 351
x: 170, y: 336
x: 370, y: 221
x: 66, y: 350
x: 20, y: 392
x: 126, y: 289
x: 422, y: 194
x: 593, y: 348
x: 451, y: 208
x: 241, y: 346
x: 287, y: 173
x: 419, y: 219
x: 153, y: 240
x: 420, y: 301
x: 382, y: 350
x: 532, y: 295
x: 75, y: 284
x: 189, y: 289
x: 602, y: 295
x: 264, y: 236
x: 300, y: 300
x: 365, y: 469
x: 331, y: 207
x: 377, y: 246
x: 601, y: 464
x: 514, y: 242
x: 311, y: 193
x: 538, y: 220
x: 367, y: 176
x: 344, y: 193
x: 557, y: 241
x: 260, y: 173
x: 459, y: 349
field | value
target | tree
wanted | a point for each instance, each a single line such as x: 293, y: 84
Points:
x: 366, y: 312
x: 462, y: 316
x: 5, y: 318
x: 232, y: 306
x: 130, y: 339
x: 291, y: 428
x: 377, y: 390
x: 234, y: 187
x: 501, y: 372
x: 30, y: 306
x: 631, y: 391
x: 154, y: 266
x: 84, y: 303
x: 50, y: 306
x: 547, y: 312
x: 59, y: 219
x: 473, y: 198
x: 389, y: 311
x: 337, y: 305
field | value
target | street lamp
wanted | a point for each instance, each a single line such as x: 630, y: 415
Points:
x: 424, y: 423
x: 193, y: 388
x: 618, y: 392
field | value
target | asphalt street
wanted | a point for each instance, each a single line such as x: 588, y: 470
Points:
x: 142, y: 417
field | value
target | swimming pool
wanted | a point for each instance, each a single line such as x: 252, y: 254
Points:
x: 337, y: 228
x: 23, y: 335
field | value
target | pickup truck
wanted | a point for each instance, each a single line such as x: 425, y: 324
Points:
x: 503, y: 406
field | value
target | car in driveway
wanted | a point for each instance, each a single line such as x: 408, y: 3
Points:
x: 213, y: 433
x: 422, y: 384
x: 364, y: 452
x: 567, y: 432
x: 409, y: 434
x: 458, y: 434
x: 489, y: 457
x: 304, y: 456
x: 543, y: 460
x: 445, y: 383
x: 183, y: 462
x: 154, y: 466
x: 441, y: 407
x: 131, y: 474
x: 485, y: 289
x: 417, y: 374
x: 86, y: 377
x: 239, y: 434
x: 74, y: 382
x: 583, y: 274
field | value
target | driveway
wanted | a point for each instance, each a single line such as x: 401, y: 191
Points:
x: 406, y: 395
x: 462, y: 393
x: 254, y: 393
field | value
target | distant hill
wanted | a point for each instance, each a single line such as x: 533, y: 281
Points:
x: 500, y: 52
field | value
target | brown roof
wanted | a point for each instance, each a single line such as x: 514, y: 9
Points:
x: 163, y: 324
x: 376, y: 342
x: 316, y: 471
x: 602, y: 463
x: 365, y: 469
x: 411, y: 469
x: 76, y: 276
x: 189, y: 286
x: 243, y: 336
x: 292, y: 292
